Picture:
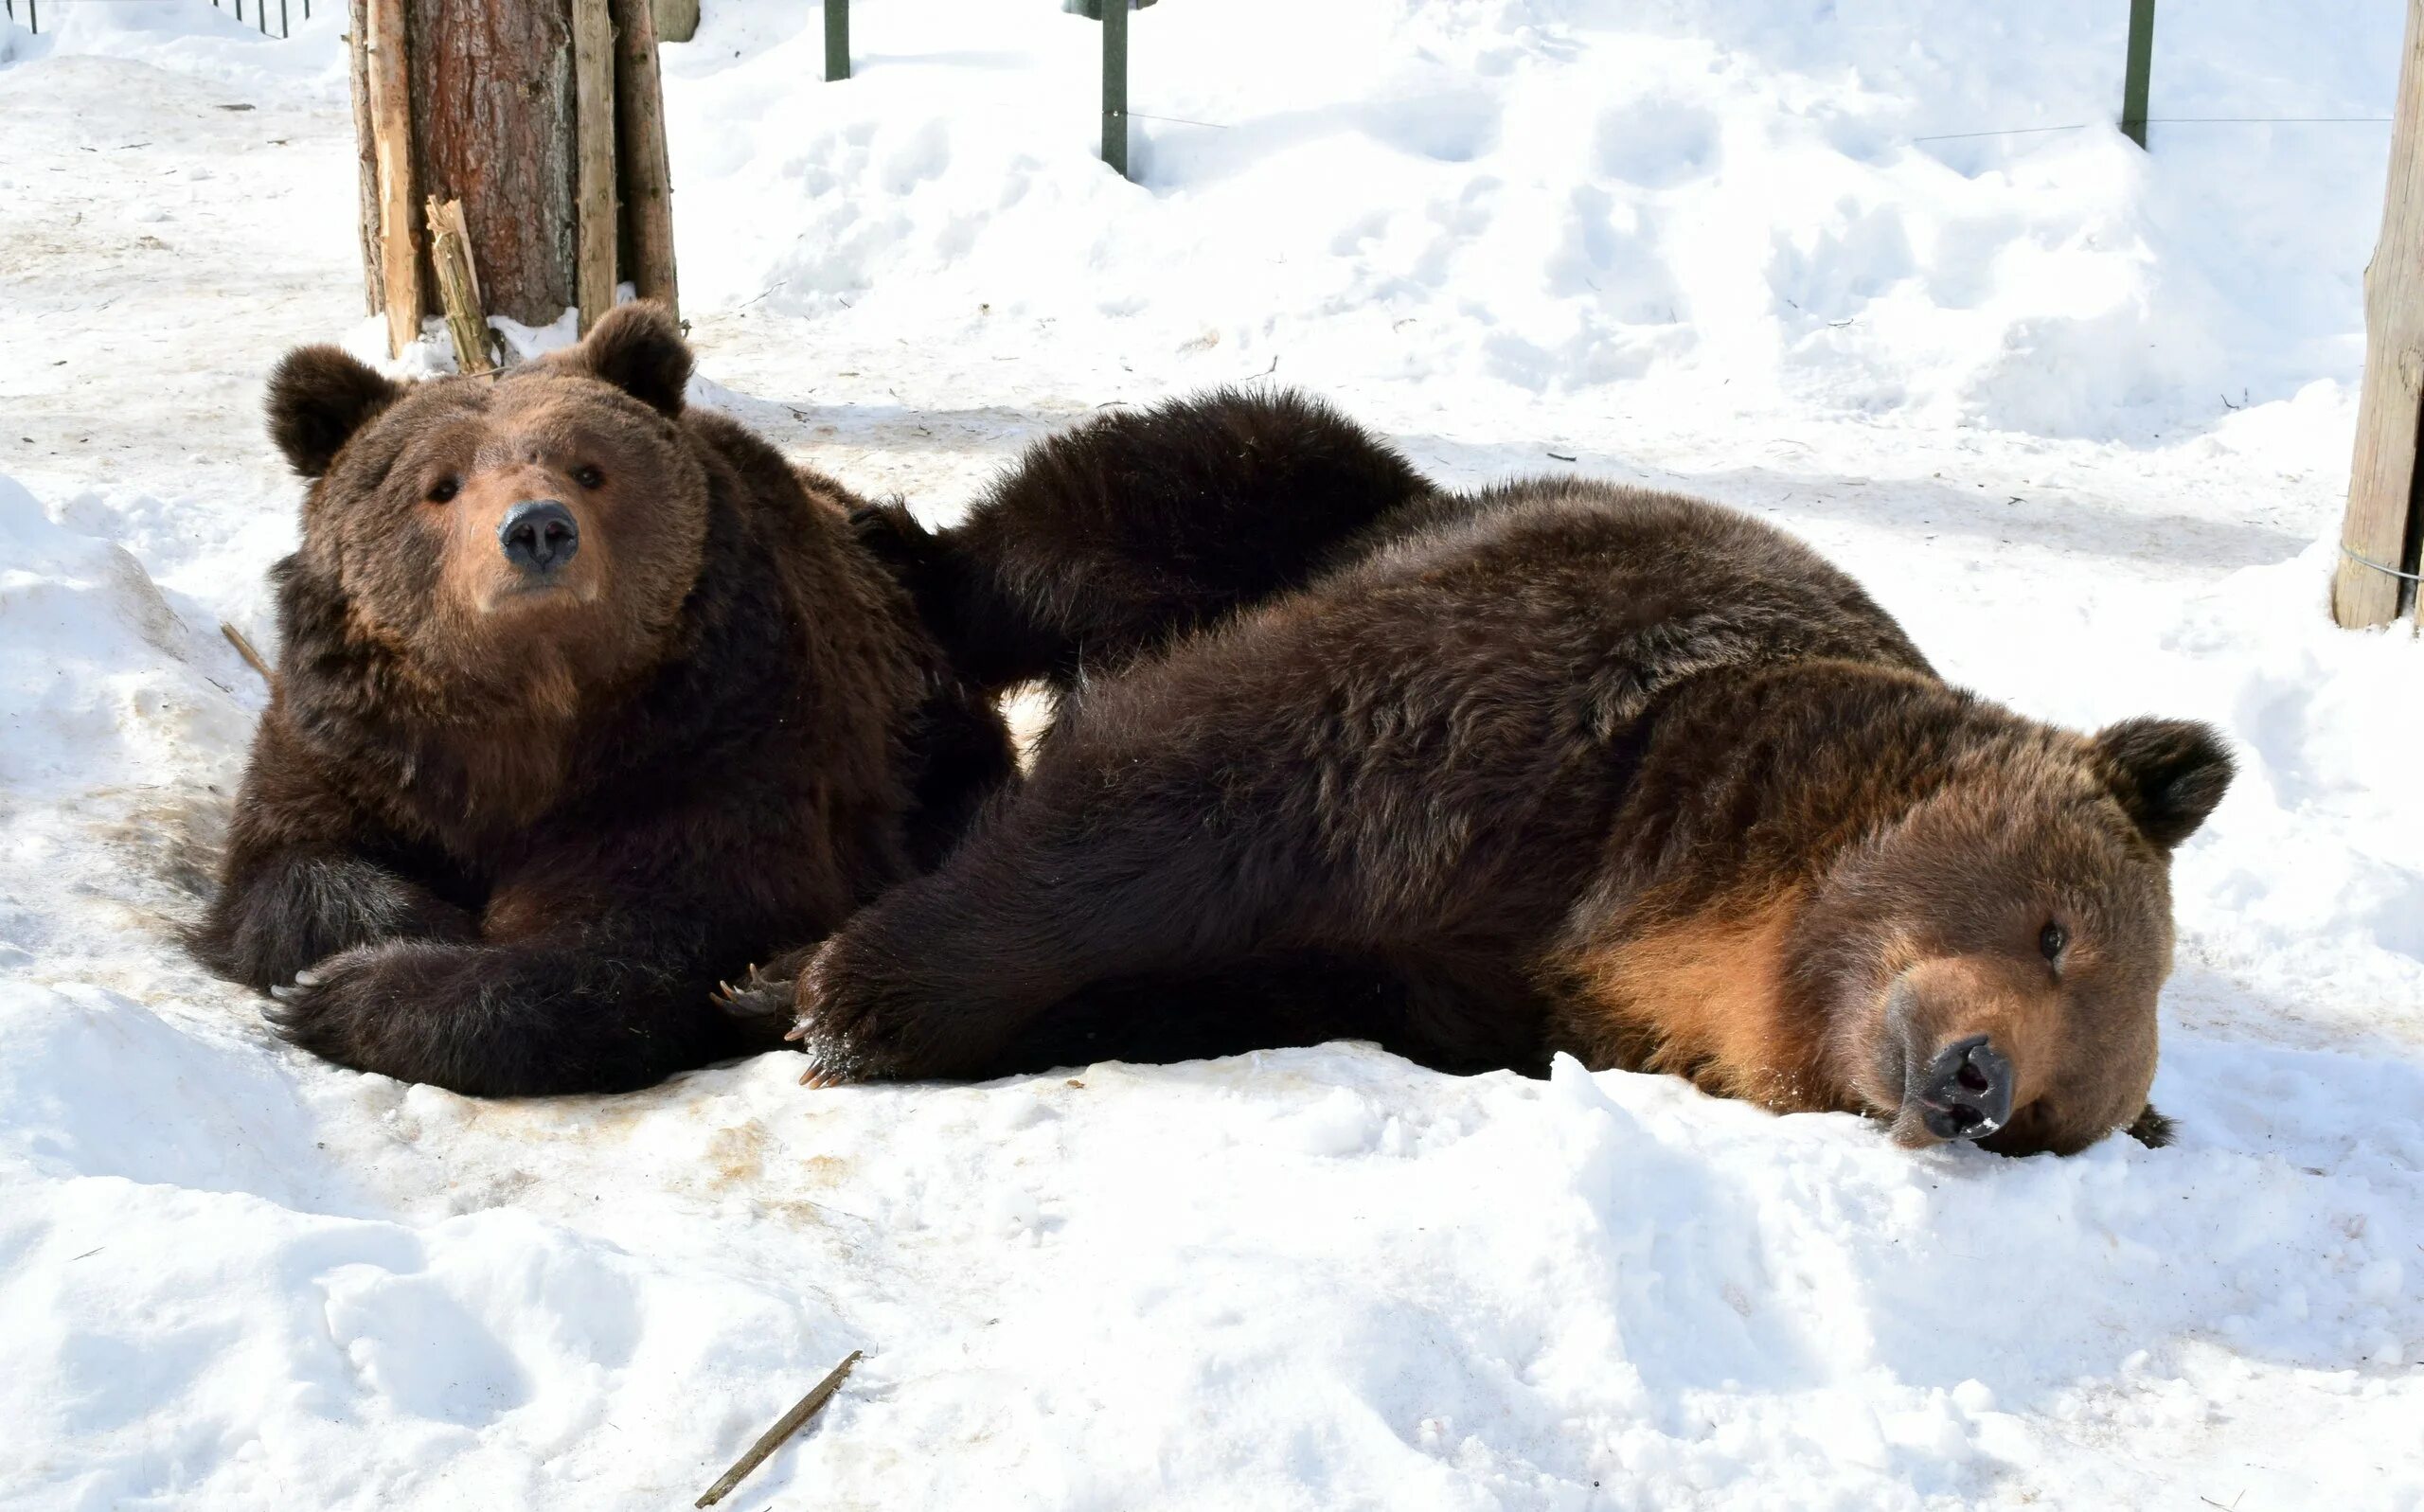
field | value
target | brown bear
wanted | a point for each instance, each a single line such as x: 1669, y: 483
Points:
x: 1560, y: 766
x: 586, y: 699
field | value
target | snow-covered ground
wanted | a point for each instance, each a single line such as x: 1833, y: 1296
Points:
x: 2080, y: 415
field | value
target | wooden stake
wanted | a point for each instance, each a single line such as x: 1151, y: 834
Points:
x: 837, y: 40
x: 391, y: 130
x: 646, y: 185
x: 458, y: 286
x: 2379, y: 538
x: 593, y: 73
x: 2140, y: 65
x: 1114, y: 84
x: 358, y: 71
x: 675, y: 20
x: 785, y: 1426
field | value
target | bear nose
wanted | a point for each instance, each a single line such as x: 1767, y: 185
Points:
x: 539, y: 535
x: 1965, y: 1093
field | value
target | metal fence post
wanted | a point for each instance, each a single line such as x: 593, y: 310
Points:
x: 1115, y: 85
x: 2134, y: 83
x: 837, y: 40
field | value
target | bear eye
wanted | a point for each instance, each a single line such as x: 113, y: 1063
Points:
x: 444, y: 489
x: 2052, y: 940
x: 588, y: 477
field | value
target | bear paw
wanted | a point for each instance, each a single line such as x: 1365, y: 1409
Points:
x: 855, y: 1024
x: 321, y: 1010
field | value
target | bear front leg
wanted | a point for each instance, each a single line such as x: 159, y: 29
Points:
x: 301, y: 880
x: 505, y: 1021
x: 300, y: 906
x: 595, y: 966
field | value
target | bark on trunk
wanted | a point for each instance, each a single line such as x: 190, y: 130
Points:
x: 492, y: 98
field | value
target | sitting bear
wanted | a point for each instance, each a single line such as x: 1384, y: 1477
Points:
x: 584, y: 700
x: 1556, y: 766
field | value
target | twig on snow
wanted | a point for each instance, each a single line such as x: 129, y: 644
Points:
x: 784, y: 1428
x: 244, y: 648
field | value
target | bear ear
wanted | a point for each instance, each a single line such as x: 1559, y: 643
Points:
x: 2168, y: 774
x: 2151, y: 1128
x: 317, y: 399
x: 639, y: 349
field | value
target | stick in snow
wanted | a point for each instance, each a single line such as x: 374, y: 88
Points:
x: 244, y: 648
x: 784, y: 1428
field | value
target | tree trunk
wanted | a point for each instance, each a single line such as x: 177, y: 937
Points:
x: 493, y: 127
x: 482, y: 103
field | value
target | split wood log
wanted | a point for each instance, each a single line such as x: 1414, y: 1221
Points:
x: 391, y: 132
x: 593, y: 71
x: 458, y: 286
x: 645, y: 182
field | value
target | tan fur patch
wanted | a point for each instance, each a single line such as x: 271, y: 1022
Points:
x: 1701, y: 997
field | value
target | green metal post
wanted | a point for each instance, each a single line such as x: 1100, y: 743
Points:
x: 2133, y: 84
x: 837, y: 40
x: 1114, y: 84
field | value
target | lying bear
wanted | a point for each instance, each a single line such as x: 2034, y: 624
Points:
x: 1557, y: 766
x: 584, y: 701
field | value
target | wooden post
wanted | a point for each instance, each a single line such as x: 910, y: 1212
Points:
x: 675, y: 20
x: 647, y: 183
x: 358, y: 70
x: 458, y: 286
x: 593, y: 72
x: 391, y: 132
x: 2134, y: 83
x: 837, y: 40
x: 1115, y: 85
x: 2382, y: 533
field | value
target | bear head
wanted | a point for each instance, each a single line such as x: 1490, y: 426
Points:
x: 1990, y: 960
x: 528, y: 535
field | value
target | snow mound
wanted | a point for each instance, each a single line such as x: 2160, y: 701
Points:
x: 100, y: 680
x: 1891, y: 209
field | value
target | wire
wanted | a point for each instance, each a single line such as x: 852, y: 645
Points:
x: 2409, y: 577
x: 2176, y: 120
x: 1177, y: 120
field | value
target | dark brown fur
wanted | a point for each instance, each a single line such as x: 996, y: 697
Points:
x: 1557, y: 767
x: 506, y: 839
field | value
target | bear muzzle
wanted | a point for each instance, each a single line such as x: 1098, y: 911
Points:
x: 538, y: 536
x: 1967, y: 1042
x: 1964, y: 1091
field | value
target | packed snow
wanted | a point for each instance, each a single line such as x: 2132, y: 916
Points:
x: 2080, y: 415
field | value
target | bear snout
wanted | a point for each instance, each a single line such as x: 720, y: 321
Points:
x: 539, y: 536
x: 1964, y: 1091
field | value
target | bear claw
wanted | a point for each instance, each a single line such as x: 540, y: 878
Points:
x: 756, y: 996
